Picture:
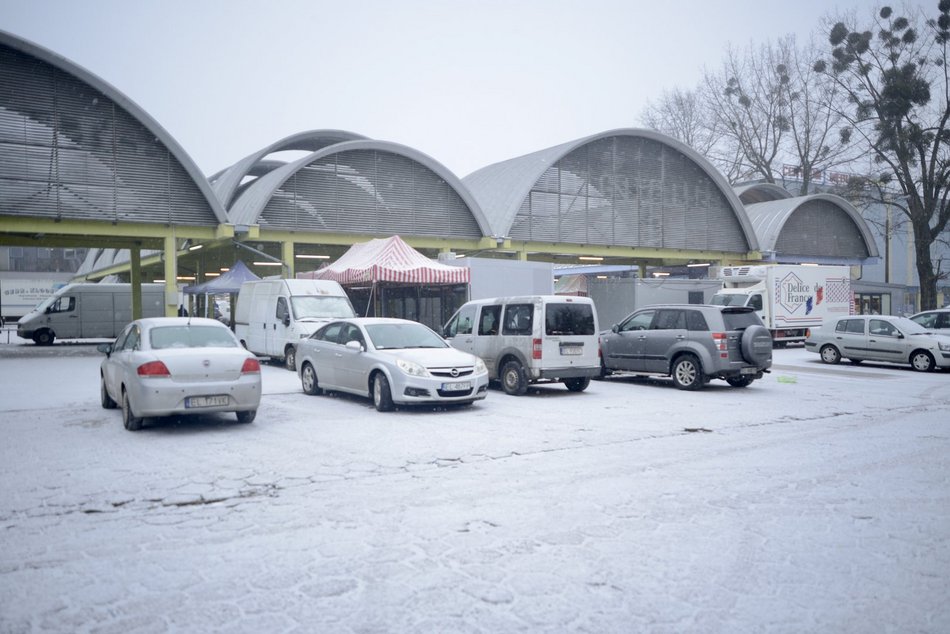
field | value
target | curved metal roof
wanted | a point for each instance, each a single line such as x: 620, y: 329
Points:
x: 761, y: 193
x: 828, y: 236
x: 248, y: 206
x: 502, y: 187
x: 24, y: 47
x: 227, y: 182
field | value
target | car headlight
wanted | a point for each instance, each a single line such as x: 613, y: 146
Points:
x: 411, y: 368
x: 480, y: 367
x: 944, y: 347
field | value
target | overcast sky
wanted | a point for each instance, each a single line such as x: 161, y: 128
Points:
x: 468, y: 83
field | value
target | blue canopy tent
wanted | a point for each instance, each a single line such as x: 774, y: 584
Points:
x: 228, y: 283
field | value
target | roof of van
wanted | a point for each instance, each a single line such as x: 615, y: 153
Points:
x: 533, y: 298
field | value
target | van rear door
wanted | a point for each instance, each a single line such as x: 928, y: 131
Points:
x: 569, y: 334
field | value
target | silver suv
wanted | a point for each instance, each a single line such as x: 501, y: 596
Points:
x: 692, y: 343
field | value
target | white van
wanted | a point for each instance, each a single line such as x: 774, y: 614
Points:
x: 271, y: 316
x: 83, y: 311
x: 530, y: 339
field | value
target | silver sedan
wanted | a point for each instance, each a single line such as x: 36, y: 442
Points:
x: 161, y: 366
x: 395, y: 361
x: 879, y: 338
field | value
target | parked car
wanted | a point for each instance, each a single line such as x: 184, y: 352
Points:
x: 394, y: 361
x: 879, y: 338
x: 692, y: 343
x: 530, y: 339
x: 161, y: 366
x: 938, y: 319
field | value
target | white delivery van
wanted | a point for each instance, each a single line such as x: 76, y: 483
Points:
x: 85, y: 311
x: 530, y: 339
x: 789, y: 298
x: 271, y: 316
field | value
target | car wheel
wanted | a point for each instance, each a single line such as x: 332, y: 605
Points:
x: 44, y: 337
x: 830, y: 354
x: 740, y: 381
x: 756, y: 345
x: 382, y: 396
x: 308, y: 379
x: 513, y: 379
x: 105, y: 399
x: 922, y: 361
x: 129, y: 419
x: 290, y: 358
x: 577, y: 384
x: 687, y: 373
x: 246, y: 417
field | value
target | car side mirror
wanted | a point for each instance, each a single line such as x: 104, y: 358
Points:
x: 105, y: 348
x: 616, y: 328
x: 354, y: 345
x: 900, y: 335
x: 286, y: 320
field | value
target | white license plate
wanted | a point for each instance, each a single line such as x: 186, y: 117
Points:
x: 572, y: 350
x: 461, y: 386
x: 748, y: 371
x: 206, y: 401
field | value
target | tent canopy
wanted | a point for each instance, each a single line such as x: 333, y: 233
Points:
x: 388, y: 260
x: 229, y: 282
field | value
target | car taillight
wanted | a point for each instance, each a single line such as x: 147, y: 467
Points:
x: 721, y: 342
x: 251, y: 366
x: 535, y: 348
x: 153, y: 368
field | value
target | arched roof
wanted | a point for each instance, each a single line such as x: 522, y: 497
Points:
x: 761, y: 193
x: 822, y: 227
x: 227, y: 182
x: 92, y: 153
x: 503, y: 188
x: 267, y: 202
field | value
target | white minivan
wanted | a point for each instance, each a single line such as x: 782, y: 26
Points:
x: 530, y: 339
x: 271, y: 316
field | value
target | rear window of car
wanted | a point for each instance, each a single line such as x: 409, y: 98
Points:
x: 569, y: 319
x: 740, y: 320
x: 191, y: 337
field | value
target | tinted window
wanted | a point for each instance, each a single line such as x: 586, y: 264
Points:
x: 488, y: 322
x: 638, y: 321
x: 669, y: 319
x: 740, y: 320
x: 855, y: 326
x: 695, y: 321
x: 569, y: 319
x: 190, y: 337
x: 281, y: 308
x: 755, y: 302
x: 330, y: 332
x: 519, y: 319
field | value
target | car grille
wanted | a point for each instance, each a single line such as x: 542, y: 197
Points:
x: 453, y: 393
x: 446, y: 373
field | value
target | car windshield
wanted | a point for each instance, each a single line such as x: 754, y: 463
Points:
x: 190, y: 336
x: 732, y: 299
x: 322, y: 307
x: 908, y: 326
x: 398, y: 336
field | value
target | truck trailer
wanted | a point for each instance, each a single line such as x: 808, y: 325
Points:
x: 790, y: 298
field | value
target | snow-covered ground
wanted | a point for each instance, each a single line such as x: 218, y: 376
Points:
x: 818, y: 499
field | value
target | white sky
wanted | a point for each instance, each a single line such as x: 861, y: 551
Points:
x: 469, y: 83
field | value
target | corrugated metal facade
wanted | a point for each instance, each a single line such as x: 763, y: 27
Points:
x: 821, y: 228
x: 68, y: 151
x: 629, y: 191
x: 372, y: 192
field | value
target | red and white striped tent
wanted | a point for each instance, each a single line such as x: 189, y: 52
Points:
x: 388, y: 260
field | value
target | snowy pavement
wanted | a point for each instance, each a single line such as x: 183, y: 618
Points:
x: 817, y: 499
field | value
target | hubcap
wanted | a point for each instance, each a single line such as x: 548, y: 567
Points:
x: 686, y: 373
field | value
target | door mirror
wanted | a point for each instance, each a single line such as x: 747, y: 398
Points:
x: 354, y: 345
x: 105, y: 348
x: 286, y: 320
x: 616, y: 328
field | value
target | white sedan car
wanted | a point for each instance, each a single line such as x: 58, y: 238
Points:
x: 162, y: 366
x: 395, y: 361
x: 879, y: 338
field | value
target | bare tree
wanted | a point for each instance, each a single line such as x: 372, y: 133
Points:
x: 895, y: 76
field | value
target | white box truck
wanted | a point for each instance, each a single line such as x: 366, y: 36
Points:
x: 88, y: 311
x: 271, y: 316
x: 790, y: 298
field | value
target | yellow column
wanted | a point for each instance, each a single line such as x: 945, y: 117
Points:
x: 287, y: 255
x: 171, y: 275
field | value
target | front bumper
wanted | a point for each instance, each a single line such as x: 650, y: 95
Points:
x: 410, y: 389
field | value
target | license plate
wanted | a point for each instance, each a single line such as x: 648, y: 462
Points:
x: 206, y: 401
x: 572, y: 350
x: 461, y: 386
x: 748, y: 371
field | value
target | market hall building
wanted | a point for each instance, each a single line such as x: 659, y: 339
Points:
x: 82, y: 165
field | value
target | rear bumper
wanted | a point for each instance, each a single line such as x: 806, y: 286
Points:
x: 158, y: 397
x: 570, y: 372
